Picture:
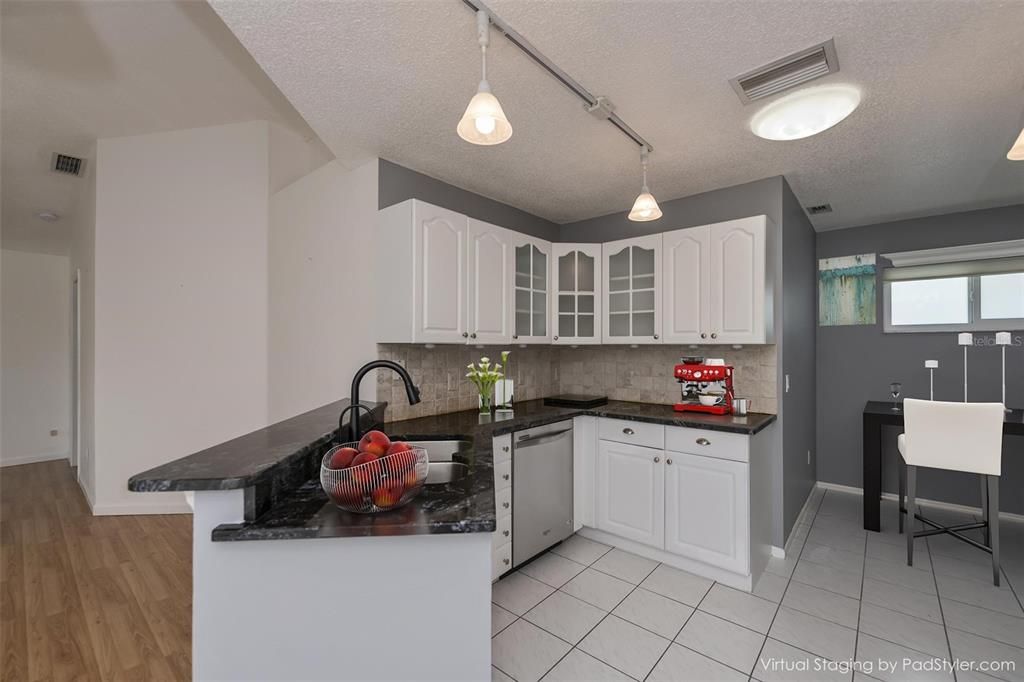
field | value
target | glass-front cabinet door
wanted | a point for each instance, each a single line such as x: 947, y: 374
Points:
x: 532, y: 285
x: 576, y: 312
x: 632, y: 290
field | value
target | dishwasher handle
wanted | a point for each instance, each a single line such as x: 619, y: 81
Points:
x: 530, y: 441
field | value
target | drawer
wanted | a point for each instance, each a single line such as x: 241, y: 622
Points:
x: 502, y: 446
x: 501, y: 561
x: 503, y: 475
x: 717, y: 444
x: 502, y: 532
x: 503, y: 502
x: 634, y: 433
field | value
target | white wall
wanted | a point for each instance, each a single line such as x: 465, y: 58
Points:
x: 322, y: 274
x: 180, y: 301
x: 35, y: 357
x: 83, y: 258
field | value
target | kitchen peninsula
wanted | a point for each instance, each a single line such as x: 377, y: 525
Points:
x: 279, y: 572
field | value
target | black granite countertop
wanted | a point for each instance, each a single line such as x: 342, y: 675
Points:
x: 464, y: 506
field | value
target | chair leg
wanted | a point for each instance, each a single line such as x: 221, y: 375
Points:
x: 901, y: 468
x: 911, y: 506
x: 984, y: 508
x: 993, y: 527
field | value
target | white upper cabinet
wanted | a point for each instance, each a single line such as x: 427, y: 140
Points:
x: 439, y: 248
x: 738, y: 286
x: 490, y: 283
x: 576, y: 306
x: 685, y: 299
x: 531, y: 288
x: 632, y: 290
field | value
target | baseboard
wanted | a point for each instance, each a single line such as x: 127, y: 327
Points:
x: 133, y: 509
x: 778, y: 552
x: 939, y: 504
x: 32, y: 459
x: 85, y: 492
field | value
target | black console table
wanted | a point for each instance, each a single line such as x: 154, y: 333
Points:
x: 878, y: 414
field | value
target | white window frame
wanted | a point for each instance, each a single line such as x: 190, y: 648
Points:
x: 975, y: 323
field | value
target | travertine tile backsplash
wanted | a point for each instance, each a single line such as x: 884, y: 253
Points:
x: 622, y: 373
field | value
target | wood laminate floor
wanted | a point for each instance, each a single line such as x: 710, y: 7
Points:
x: 87, y: 597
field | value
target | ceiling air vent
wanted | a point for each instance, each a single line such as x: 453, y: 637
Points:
x: 818, y: 209
x: 782, y: 74
x: 67, y: 165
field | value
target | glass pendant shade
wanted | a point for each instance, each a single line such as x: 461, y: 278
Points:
x: 484, y: 121
x: 645, y: 207
x: 1016, y: 152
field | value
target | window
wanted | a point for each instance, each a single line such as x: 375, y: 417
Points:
x: 969, y: 302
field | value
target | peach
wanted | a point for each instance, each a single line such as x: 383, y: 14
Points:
x: 387, y: 495
x: 376, y: 442
x: 342, y: 458
x: 366, y: 474
x: 347, y: 493
x: 404, y: 456
x: 410, y: 480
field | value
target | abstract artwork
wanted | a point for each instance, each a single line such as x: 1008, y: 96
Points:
x: 846, y: 290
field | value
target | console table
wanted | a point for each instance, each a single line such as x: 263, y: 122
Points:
x: 877, y: 414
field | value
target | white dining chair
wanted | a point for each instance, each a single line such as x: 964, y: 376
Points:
x: 965, y: 437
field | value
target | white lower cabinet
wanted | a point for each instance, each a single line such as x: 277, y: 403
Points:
x: 631, y: 492
x: 706, y: 511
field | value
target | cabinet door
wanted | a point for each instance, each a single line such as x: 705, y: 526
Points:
x: 576, y: 307
x: 632, y: 290
x: 738, y: 281
x: 685, y: 294
x: 706, y: 510
x: 439, y: 253
x: 631, y: 492
x: 490, y: 260
x: 531, y: 284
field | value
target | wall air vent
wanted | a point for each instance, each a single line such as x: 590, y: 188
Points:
x: 818, y: 209
x: 67, y: 165
x: 789, y: 72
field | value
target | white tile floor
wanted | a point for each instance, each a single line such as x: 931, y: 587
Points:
x: 585, y: 611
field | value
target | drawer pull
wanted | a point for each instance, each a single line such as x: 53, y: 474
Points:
x: 505, y: 533
x: 628, y: 431
x: 506, y: 476
x: 657, y: 459
x: 505, y: 561
x: 506, y: 505
x: 703, y: 441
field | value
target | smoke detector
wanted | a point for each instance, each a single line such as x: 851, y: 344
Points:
x: 787, y: 73
x: 67, y: 165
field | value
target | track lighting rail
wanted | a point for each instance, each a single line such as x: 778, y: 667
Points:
x: 561, y: 76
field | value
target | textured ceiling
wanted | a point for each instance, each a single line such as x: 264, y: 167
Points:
x: 943, y: 99
x: 77, y: 71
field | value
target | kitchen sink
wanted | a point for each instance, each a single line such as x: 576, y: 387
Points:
x: 445, y: 472
x: 442, y: 450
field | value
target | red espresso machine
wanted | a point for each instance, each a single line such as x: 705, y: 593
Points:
x: 698, y: 380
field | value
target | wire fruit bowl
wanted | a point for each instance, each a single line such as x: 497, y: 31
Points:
x: 380, y: 485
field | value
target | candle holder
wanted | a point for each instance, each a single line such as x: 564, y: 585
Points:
x: 931, y: 366
x: 965, y: 339
x: 1003, y: 340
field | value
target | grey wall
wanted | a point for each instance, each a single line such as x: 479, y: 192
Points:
x: 797, y: 356
x: 397, y: 183
x: 741, y: 201
x: 857, y: 363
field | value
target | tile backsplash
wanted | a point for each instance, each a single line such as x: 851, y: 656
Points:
x: 620, y: 372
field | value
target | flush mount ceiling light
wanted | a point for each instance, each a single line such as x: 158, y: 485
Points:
x: 805, y: 113
x: 48, y: 216
x: 645, y: 207
x: 484, y: 121
x: 1016, y: 152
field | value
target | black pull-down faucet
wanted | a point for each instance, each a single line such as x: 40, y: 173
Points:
x: 410, y: 390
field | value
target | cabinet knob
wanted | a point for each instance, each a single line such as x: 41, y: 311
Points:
x: 714, y: 335
x: 703, y: 335
x: 506, y: 505
x: 657, y: 459
x: 505, y: 561
x: 473, y: 335
x: 465, y: 334
x: 505, y: 476
x: 505, y: 533
x: 556, y: 338
x: 703, y: 441
x: 515, y: 336
x: 655, y: 337
x: 668, y: 461
x: 628, y: 431
x: 504, y: 448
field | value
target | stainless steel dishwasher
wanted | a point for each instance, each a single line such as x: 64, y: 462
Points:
x: 541, y: 489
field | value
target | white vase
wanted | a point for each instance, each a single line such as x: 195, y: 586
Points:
x: 503, y: 392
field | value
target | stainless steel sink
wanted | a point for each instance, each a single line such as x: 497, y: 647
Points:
x: 445, y: 472
x: 442, y: 450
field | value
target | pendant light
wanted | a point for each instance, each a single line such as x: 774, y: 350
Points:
x: 1016, y: 152
x: 645, y: 207
x: 484, y: 121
